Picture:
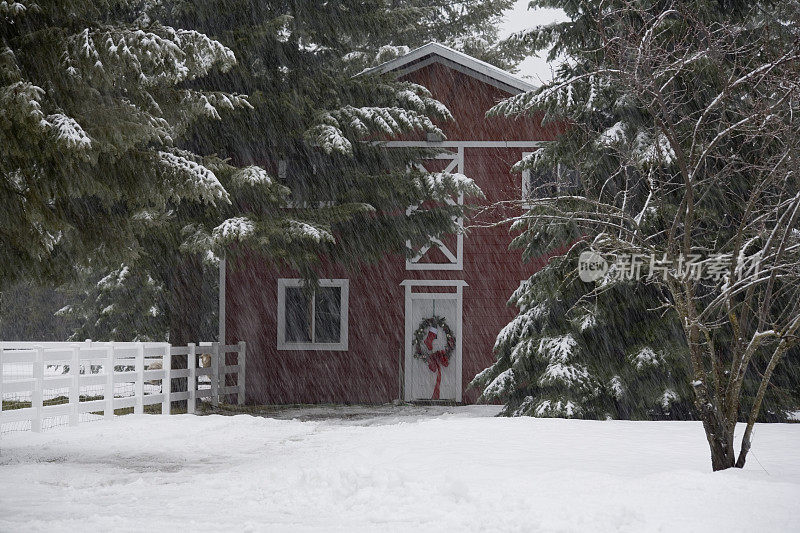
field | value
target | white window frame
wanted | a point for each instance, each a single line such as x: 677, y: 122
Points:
x: 344, y: 284
x: 526, y: 181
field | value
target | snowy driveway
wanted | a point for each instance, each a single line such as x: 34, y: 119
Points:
x: 424, y: 470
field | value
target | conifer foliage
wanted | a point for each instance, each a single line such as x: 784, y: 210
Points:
x: 575, y: 354
x: 302, y: 176
x: 316, y: 120
x: 93, y: 101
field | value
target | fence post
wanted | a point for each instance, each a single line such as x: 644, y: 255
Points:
x: 215, y: 357
x: 74, y: 385
x: 241, y: 359
x: 138, y: 388
x: 108, y: 396
x: 37, y: 398
x: 166, y: 381
x: 191, y: 364
x: 88, y: 369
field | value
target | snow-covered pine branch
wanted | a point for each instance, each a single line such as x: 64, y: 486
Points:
x: 337, y: 129
x: 161, y: 55
x: 208, y: 104
x: 446, y: 186
x: 68, y: 131
x: 252, y: 176
x: 190, y: 179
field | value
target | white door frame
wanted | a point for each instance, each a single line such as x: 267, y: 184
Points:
x: 410, y: 296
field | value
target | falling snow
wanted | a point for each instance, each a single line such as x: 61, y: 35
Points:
x: 314, y: 181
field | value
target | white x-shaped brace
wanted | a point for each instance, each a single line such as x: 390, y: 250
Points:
x: 445, y: 250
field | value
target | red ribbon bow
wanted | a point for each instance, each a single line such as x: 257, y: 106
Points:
x: 435, y: 363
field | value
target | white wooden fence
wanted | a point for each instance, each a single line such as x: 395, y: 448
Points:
x: 94, y: 369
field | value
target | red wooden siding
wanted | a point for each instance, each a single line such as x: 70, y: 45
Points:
x: 468, y: 100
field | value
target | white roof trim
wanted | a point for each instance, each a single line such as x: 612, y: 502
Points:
x: 435, y: 52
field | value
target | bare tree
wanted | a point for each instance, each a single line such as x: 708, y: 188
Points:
x: 700, y: 171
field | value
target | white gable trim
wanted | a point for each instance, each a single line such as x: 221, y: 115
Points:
x: 437, y: 53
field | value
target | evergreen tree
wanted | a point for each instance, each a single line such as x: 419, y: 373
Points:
x: 128, y: 304
x: 300, y: 62
x: 28, y: 311
x: 335, y: 193
x: 392, y: 28
x: 94, y: 99
x: 575, y: 352
x: 683, y: 126
x: 121, y: 297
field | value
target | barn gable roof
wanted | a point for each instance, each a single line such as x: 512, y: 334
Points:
x: 438, y: 53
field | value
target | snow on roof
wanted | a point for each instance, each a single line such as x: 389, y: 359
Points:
x: 438, y: 53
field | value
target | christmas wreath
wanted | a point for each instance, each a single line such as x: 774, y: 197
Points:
x: 426, y: 333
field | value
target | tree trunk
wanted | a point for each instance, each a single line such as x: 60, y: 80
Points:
x: 719, y: 437
x: 186, y: 312
x: 718, y: 434
x: 762, y: 390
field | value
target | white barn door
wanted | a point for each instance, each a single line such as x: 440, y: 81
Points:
x: 420, y: 380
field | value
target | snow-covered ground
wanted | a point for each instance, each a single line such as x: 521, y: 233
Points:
x: 396, y: 469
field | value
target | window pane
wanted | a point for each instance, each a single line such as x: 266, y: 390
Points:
x: 328, y: 314
x: 569, y: 180
x: 298, y: 315
x: 541, y: 183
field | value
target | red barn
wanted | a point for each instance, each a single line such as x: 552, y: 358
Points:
x: 353, y: 341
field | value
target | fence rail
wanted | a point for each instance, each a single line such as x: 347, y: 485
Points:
x: 45, y: 380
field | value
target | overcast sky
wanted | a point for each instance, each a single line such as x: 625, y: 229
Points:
x: 536, y: 69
